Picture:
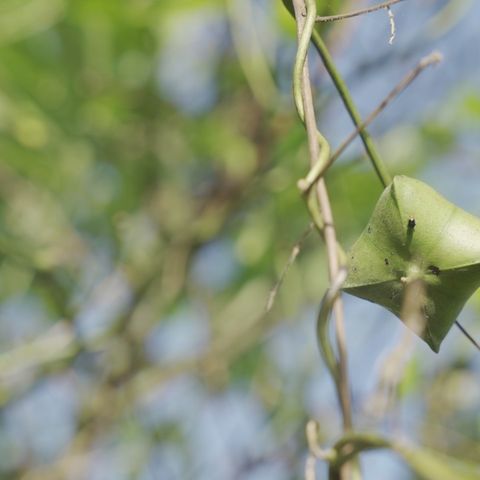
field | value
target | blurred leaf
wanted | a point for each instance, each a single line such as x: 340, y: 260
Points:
x: 472, y: 105
x: 435, y: 466
x: 22, y: 18
x: 425, y: 463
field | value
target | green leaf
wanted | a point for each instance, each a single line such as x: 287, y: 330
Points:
x: 416, y: 234
x: 431, y: 465
x: 426, y: 463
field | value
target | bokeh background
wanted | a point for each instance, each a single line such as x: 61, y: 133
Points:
x: 149, y: 152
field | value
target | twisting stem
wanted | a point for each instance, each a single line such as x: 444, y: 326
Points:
x: 356, y: 13
x: 325, y: 219
x: 358, y: 442
x: 378, y: 165
x: 322, y: 154
x: 304, y: 35
x: 302, y: 82
x: 322, y: 325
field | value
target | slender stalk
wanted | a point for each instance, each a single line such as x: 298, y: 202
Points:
x: 472, y: 340
x: 300, y: 88
x: 352, y: 444
x: 425, y: 62
x: 356, y: 13
x: 319, y: 151
x: 317, y: 142
x: 377, y: 162
x: 322, y: 326
x: 432, y: 59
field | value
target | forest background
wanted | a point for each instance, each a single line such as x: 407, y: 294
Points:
x: 149, y: 154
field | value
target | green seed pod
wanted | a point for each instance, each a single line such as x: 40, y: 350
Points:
x: 416, y: 234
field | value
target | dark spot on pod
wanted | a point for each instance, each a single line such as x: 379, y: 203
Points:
x: 433, y: 269
x: 386, y: 261
x: 354, y: 269
x: 369, y: 229
x: 411, y: 223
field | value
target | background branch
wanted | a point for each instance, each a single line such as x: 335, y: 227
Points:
x: 356, y: 13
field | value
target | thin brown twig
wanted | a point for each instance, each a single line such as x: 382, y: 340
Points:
x: 357, y: 13
x: 462, y: 329
x: 329, y: 229
x: 432, y: 59
x: 346, y: 97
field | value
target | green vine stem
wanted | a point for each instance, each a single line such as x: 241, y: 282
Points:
x: 317, y: 198
x: 300, y: 59
x: 351, y: 444
x: 319, y: 150
x: 341, y: 86
x: 326, y: 349
x: 315, y: 173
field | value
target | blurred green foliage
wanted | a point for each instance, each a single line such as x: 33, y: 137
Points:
x: 149, y: 154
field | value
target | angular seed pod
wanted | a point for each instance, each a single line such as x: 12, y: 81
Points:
x: 416, y: 234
